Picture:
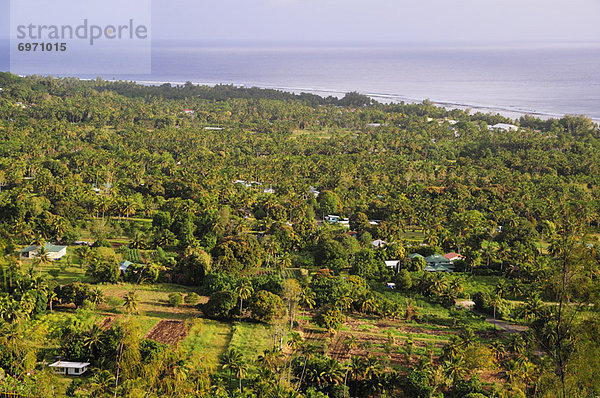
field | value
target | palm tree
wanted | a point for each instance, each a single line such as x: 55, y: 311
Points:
x: 454, y: 369
x: 100, y: 383
x: 93, y: 339
x: 498, y: 350
x: 244, y: 291
x: 438, y: 283
x: 295, y: 341
x: 308, y: 350
x: 234, y: 362
x: 369, y: 303
x: 411, y: 309
x: 533, y: 307
x: 51, y: 298
x: 85, y: 254
x: 350, y: 342
x: 344, y: 303
x: 307, y: 298
x: 331, y: 373
x: 130, y: 303
x: 42, y: 258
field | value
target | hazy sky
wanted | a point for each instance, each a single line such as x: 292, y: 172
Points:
x: 445, y: 21
x: 377, y: 20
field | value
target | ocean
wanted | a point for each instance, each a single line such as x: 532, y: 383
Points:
x: 545, y: 80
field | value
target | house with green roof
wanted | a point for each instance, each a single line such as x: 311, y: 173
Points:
x: 438, y: 263
x: 54, y: 252
x: 123, y: 265
x: 415, y: 255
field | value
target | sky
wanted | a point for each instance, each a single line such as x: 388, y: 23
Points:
x: 445, y: 22
x: 439, y: 21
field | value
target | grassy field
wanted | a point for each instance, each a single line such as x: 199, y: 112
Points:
x: 480, y: 283
x: 251, y: 339
x: 413, y: 236
x: 206, y: 342
x: 153, y: 300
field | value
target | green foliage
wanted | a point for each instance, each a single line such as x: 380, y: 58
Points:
x: 192, y: 298
x: 403, y: 280
x: 266, y: 306
x: 175, y: 299
x: 329, y: 203
x: 330, y: 318
x: 417, y: 384
x: 77, y: 293
x: 365, y: 264
x: 220, y: 305
x: 237, y: 253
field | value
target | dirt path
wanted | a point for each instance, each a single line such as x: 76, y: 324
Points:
x: 507, y: 327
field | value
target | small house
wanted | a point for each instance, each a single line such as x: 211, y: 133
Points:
x: 437, y: 259
x: 378, y: 243
x: 332, y: 219
x: 438, y: 263
x: 70, y: 368
x: 54, y: 252
x: 314, y: 191
x: 392, y: 263
x: 503, y: 127
x: 123, y: 265
x: 453, y: 256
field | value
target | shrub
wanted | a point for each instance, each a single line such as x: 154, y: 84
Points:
x: 192, y: 299
x: 220, y: 305
x: 403, y: 280
x: 54, y: 272
x: 175, y: 299
x: 417, y: 384
x: 265, y: 306
x: 330, y: 318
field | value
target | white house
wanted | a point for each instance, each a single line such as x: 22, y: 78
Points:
x: 378, y: 243
x: 332, y: 218
x: 504, y: 127
x: 54, y: 252
x: 314, y: 191
x: 70, y: 368
x: 392, y: 263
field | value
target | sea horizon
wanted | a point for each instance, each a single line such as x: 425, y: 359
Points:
x: 546, y: 80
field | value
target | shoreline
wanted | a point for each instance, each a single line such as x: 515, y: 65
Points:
x: 506, y: 111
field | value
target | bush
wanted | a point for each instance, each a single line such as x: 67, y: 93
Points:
x: 175, y: 299
x: 417, y: 384
x: 403, y: 280
x: 77, y: 293
x: 220, y: 305
x: 192, y: 299
x: 330, y: 318
x: 470, y: 387
x: 265, y: 306
x: 54, y: 272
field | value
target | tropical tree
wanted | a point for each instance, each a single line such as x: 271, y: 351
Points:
x: 130, y: 302
x: 244, y: 291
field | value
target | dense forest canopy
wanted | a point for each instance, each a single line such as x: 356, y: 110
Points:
x: 231, y: 190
